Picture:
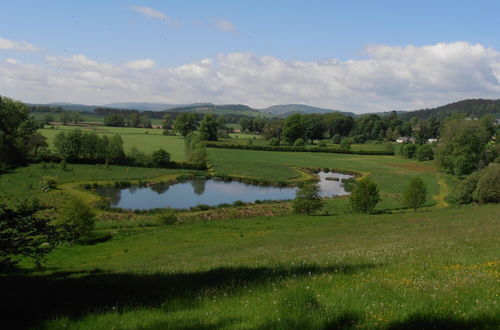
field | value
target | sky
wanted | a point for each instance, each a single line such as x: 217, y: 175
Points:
x: 360, y: 56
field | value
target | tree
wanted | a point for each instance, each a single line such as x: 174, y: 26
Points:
x: 365, y: 196
x: 185, y: 123
x: 336, y: 139
x: 424, y: 152
x: 488, y: 185
x: 76, y: 219
x: 166, y: 122
x: 293, y: 128
x: 307, y: 199
x: 133, y: 120
x: 16, y: 131
x: 314, y: 129
x: 273, y: 129
x: 144, y: 121
x: 461, y: 147
x: 299, y: 143
x: 24, y: 233
x: 76, y: 117
x: 37, y: 141
x: 115, y: 153
x: 408, y: 150
x: 208, y: 128
x: 345, y: 144
x: 47, y: 118
x: 196, y: 152
x: 65, y: 117
x: 221, y: 123
x: 415, y: 194
x: 114, y: 120
x: 160, y: 158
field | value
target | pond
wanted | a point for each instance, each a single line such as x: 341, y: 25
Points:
x: 210, y: 192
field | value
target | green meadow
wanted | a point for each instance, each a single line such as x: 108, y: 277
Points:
x: 437, y: 268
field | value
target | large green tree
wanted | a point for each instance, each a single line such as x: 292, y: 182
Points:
x: 208, y: 128
x: 461, y: 147
x: 185, y: 123
x: 293, y: 128
x: 415, y: 193
x: 17, y: 129
x: 365, y: 196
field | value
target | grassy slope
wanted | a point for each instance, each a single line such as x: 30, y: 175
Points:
x: 436, y: 268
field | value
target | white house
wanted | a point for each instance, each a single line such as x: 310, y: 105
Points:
x: 405, y: 139
x: 432, y: 140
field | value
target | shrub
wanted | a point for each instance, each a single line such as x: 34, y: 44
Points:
x: 365, y: 196
x: 424, y: 152
x: 415, y: 194
x: 299, y: 143
x: 322, y: 144
x: 408, y: 150
x: 49, y: 182
x: 462, y: 194
x: 488, y: 186
x: 160, y: 158
x: 274, y: 142
x: 307, y: 200
x: 345, y: 144
x: 169, y: 217
x: 249, y: 142
x: 336, y: 139
x: 76, y: 219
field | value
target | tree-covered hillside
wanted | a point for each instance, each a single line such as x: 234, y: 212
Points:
x: 470, y: 108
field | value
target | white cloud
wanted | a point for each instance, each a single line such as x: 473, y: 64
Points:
x: 390, y: 78
x: 156, y: 14
x: 141, y: 64
x: 6, y: 44
x: 224, y: 25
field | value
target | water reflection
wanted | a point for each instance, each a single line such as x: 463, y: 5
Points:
x: 210, y: 192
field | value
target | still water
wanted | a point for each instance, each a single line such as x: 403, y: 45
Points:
x: 210, y: 192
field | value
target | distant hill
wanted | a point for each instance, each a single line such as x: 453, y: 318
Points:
x: 66, y: 106
x: 470, y: 108
x: 225, y: 109
x: 143, y: 106
x: 284, y: 110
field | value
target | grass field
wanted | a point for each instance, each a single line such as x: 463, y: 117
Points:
x: 146, y: 140
x: 391, y: 173
x: 411, y: 270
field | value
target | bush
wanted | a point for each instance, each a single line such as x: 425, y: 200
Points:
x: 488, y: 186
x: 408, y: 150
x: 336, y: 139
x: 167, y: 218
x: 462, y: 194
x: 299, y: 143
x: 424, y: 152
x: 274, y: 142
x: 322, y: 144
x: 160, y: 158
x: 345, y: 144
x: 75, y: 219
x: 49, y: 182
x: 307, y: 200
x: 365, y: 196
x: 415, y: 194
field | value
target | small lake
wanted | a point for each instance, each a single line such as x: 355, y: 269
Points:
x: 210, y: 192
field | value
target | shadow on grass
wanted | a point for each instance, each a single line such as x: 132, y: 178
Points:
x: 33, y: 299
x: 444, y: 322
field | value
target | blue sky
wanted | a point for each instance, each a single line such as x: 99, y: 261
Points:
x: 173, y: 35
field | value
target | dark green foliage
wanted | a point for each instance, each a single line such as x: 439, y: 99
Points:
x: 424, y: 152
x: 336, y: 139
x: 17, y: 132
x: 114, y: 120
x: 338, y: 124
x: 297, y: 149
x: 314, y: 128
x: 461, y: 148
x: 307, y: 200
x: 24, y: 233
x: 76, y: 219
x: 144, y: 121
x: 462, y: 194
x: 299, y: 143
x: 408, y: 150
x: 196, y: 152
x: 345, y: 144
x: 169, y: 217
x: 208, y: 128
x: 274, y: 142
x: 488, y: 185
x: 160, y: 158
x: 293, y: 128
x: 471, y: 107
x: 365, y: 196
x: 415, y: 194
x: 185, y: 123
x: 133, y: 120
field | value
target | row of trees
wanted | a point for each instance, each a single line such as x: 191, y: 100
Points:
x: 364, y: 197
x: 132, y: 120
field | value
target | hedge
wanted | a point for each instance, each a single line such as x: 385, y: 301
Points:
x: 298, y: 149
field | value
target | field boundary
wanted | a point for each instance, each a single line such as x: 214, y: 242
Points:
x: 299, y: 149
